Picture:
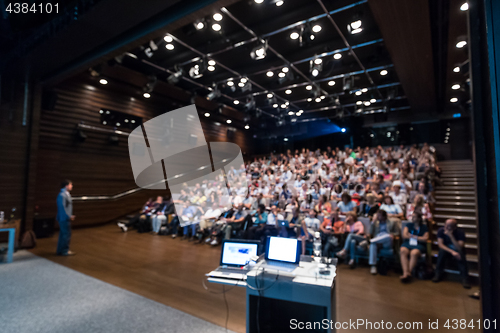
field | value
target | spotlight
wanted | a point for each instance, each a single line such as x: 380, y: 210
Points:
x: 288, y: 91
x: 318, y: 99
x: 284, y: 69
x: 373, y: 100
x: 367, y: 103
x: 103, y: 81
x: 270, y: 74
x: 168, y: 39
x: 294, y: 35
x: 275, y: 105
x: 455, y: 87
x: 211, y: 62
x: 337, y: 56
x: 464, y: 7
x: 247, y: 127
x: 315, y: 66
x: 283, y: 106
x: 215, y: 93
x: 281, y: 74
x: 236, y: 102
x: 456, y: 69
x: 355, y: 27
x: 461, y: 44
x: 199, y: 25
x: 216, y: 27
x: 270, y: 95
x: 207, y: 114
x: 318, y: 61
x: 348, y: 83
x: 331, y: 83
x: 198, y: 69
x: 285, y: 139
x: 323, y: 97
x: 259, y: 52
x: 453, y: 99
x: 243, y: 80
x: 359, y: 102
x: 343, y: 130
x: 146, y: 95
x: 217, y: 17
x: 258, y: 1
x: 316, y: 28
x: 309, y: 99
x: 309, y: 87
x: 211, y: 68
x: 291, y: 113
x: 169, y: 47
x: 279, y: 3
x: 383, y: 72
x: 364, y: 90
x: 229, y: 121
x: 250, y: 104
x: 230, y: 83
x: 358, y: 93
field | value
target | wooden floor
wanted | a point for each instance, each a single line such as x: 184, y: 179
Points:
x: 171, y: 271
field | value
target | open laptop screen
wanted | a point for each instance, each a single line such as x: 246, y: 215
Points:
x: 283, y: 249
x: 237, y: 253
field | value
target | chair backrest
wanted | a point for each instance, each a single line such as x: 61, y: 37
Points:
x: 366, y: 223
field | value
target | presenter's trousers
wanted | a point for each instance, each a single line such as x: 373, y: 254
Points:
x: 64, y: 237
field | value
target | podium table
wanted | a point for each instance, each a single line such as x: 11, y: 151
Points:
x: 12, y: 237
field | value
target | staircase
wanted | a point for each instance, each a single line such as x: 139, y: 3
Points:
x: 456, y: 199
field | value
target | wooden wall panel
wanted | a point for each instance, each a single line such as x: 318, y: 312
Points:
x: 95, y: 166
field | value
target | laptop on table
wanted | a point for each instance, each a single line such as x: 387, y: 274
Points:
x: 282, y: 254
x: 236, y: 254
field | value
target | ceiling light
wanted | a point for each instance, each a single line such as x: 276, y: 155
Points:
x: 241, y: 84
x: 217, y: 17
x: 215, y: 93
x: 199, y: 25
x: 355, y: 27
x: 294, y: 35
x: 259, y: 52
x: 309, y: 99
x: 207, y: 114
x: 211, y: 62
x: 283, y: 106
x: 236, y: 102
x: 367, y: 103
x: 288, y: 91
x: 309, y: 87
x: 364, y: 90
x: 230, y: 83
x: 284, y: 69
x: 453, y: 99
x: 323, y: 97
x: 343, y: 130
x: 455, y: 87
x: 269, y: 95
x: 285, y: 139
x: 373, y: 100
x: 358, y: 93
x: 287, y: 103
x: 169, y: 47
x: 197, y: 70
x: 216, y: 27
x: 318, y: 61
x: 316, y: 28
x: 243, y: 80
x: 331, y: 83
x: 275, y: 105
x: 168, y: 39
x: 175, y: 77
x: 281, y: 74
x: 101, y: 111
x: 103, y: 81
x: 315, y: 66
x: 146, y: 95
x: 104, y: 122
x: 372, y: 135
x: 383, y: 72
x: 448, y: 129
x: 247, y: 126
x: 359, y: 102
x: 211, y: 68
x: 464, y: 7
x: 317, y: 100
x: 270, y: 74
x: 291, y: 113
x: 280, y: 3
x: 456, y: 69
x: 315, y: 72
x: 461, y: 44
x: 337, y: 56
x: 229, y: 121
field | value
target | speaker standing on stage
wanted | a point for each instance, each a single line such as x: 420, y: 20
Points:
x: 64, y: 218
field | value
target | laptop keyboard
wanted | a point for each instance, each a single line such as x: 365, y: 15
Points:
x: 281, y: 265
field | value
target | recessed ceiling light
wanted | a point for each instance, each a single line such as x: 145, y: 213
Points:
x: 283, y: 106
x: 132, y: 121
x: 216, y: 27
x: 241, y: 84
x: 243, y: 80
x: 372, y: 135
x: 199, y: 25
x: 456, y: 69
x: 211, y: 68
x: 101, y: 111
x: 337, y: 56
x: 281, y: 74
x: 168, y: 39
x: 448, y: 129
x: 288, y: 91
x: 367, y: 103
x: 331, y: 83
x: 453, y: 99
x: 146, y: 95
x: 291, y: 113
x: 358, y: 93
x: 455, y: 87
x: 207, y: 114
x: 269, y: 95
x: 217, y: 17
x: 317, y: 100
x: 230, y: 83
x: 211, y: 62
x: 270, y: 73
x: 355, y: 27
x: 309, y: 87
x: 323, y: 97
x: 309, y: 99
x: 104, y: 122
x: 275, y: 105
x: 257, y: 1
x: 373, y: 100
x: 284, y: 69
x: 464, y: 7
x: 285, y: 139
x: 247, y: 126
x: 236, y: 102
x: 169, y: 47
x: 318, y: 61
x: 383, y: 72
x: 315, y: 72
x: 229, y: 121
x: 280, y: 3
x: 359, y: 102
x: 461, y: 44
x: 294, y: 35
x: 364, y: 89
x: 316, y: 28
x: 103, y: 81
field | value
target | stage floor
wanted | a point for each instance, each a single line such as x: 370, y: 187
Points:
x: 171, y: 271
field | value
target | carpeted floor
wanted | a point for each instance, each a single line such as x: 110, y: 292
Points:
x: 38, y: 295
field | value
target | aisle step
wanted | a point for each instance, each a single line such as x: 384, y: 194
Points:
x: 438, y: 191
x: 451, y: 197
x: 454, y: 203
x: 454, y: 188
x: 457, y: 210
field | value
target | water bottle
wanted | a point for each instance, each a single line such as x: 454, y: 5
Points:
x: 2, y: 216
x: 317, y: 244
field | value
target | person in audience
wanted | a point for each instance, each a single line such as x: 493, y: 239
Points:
x: 399, y: 198
x: 145, y: 218
x: 415, y: 236
x: 451, y: 242
x: 369, y: 207
x: 260, y: 222
x: 161, y: 215
x: 134, y: 221
x: 382, y: 233
x: 310, y: 226
x: 294, y: 219
x: 332, y: 229
x: 419, y: 206
x: 355, y: 235
x: 394, y: 212
x: 346, y: 205
x: 235, y: 222
x: 207, y: 221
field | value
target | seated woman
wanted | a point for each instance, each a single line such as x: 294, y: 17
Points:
x: 394, y: 212
x: 346, y: 205
x: 309, y: 227
x: 355, y: 235
x: 415, y: 237
x: 419, y: 206
x: 369, y: 207
x: 323, y: 204
x: 332, y: 229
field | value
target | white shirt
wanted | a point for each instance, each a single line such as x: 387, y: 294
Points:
x: 271, y: 218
